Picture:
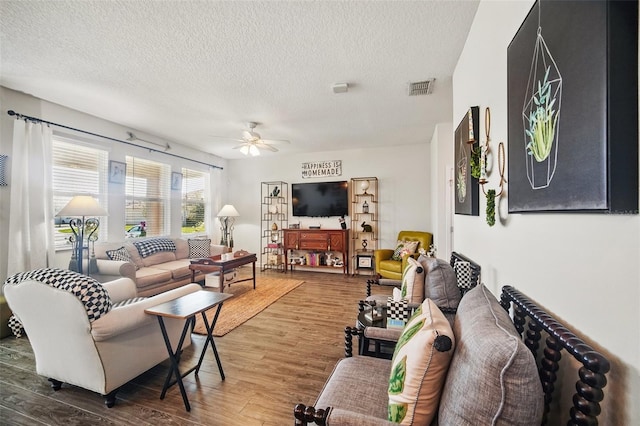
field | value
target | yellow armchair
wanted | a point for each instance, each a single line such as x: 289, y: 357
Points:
x: 386, y: 267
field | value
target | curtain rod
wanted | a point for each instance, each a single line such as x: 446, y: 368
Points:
x: 39, y: 120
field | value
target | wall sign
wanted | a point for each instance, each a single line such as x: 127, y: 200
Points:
x: 317, y: 169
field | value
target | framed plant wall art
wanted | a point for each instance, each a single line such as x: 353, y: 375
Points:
x: 573, y: 108
x: 466, y: 141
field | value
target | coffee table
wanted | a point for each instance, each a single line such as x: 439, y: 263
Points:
x: 186, y: 308
x: 382, y: 348
x: 215, y: 263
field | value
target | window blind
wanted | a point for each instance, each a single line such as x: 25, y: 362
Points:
x: 77, y: 170
x: 193, y: 201
x: 148, y: 195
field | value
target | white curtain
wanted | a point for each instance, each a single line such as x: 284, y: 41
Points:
x: 215, y: 204
x: 30, y: 212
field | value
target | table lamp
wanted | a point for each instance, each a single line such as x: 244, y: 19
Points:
x: 227, y: 216
x: 81, y: 206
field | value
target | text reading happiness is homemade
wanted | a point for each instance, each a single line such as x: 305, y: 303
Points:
x: 322, y: 168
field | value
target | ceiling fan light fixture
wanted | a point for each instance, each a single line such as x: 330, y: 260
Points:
x: 244, y: 150
x: 254, y: 151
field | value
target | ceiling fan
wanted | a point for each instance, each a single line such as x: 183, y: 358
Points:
x: 252, y: 142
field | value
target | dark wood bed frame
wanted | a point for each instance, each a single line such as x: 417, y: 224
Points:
x: 531, y: 321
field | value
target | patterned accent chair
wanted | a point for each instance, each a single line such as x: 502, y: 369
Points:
x: 98, y: 343
x: 387, y: 267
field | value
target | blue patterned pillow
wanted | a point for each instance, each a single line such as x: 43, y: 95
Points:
x: 90, y: 292
x: 154, y: 245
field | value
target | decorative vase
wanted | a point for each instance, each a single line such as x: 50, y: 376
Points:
x: 273, y: 209
x: 274, y: 226
x: 364, y: 185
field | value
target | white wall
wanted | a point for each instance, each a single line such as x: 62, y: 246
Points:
x: 582, y: 267
x: 28, y: 105
x: 403, y: 180
x: 441, y: 188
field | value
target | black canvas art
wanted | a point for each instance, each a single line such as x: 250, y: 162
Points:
x: 466, y: 186
x: 572, y: 108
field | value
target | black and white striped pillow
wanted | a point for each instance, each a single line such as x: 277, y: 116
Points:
x: 127, y: 302
x: 199, y: 248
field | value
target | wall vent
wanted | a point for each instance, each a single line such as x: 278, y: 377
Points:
x: 421, y: 87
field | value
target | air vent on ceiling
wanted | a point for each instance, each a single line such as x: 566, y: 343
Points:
x: 421, y: 87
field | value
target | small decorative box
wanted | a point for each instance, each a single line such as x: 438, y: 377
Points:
x: 397, y: 313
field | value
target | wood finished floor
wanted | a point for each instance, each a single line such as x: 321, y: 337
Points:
x: 279, y: 358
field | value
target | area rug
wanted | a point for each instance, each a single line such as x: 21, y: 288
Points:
x: 246, y: 303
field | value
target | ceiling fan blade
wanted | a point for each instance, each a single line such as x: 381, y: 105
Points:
x: 276, y: 141
x: 226, y: 138
x: 240, y: 146
x: 268, y: 147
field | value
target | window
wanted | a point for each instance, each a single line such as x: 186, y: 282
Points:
x: 77, y: 170
x: 193, y: 201
x: 147, y: 197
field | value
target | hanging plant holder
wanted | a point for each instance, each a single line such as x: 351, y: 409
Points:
x: 491, y: 194
x: 491, y: 207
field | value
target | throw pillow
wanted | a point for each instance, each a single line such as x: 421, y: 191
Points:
x: 199, y: 248
x: 404, y: 248
x: 90, y: 292
x: 413, y: 281
x: 463, y: 274
x: 493, y: 361
x: 440, y: 282
x: 119, y: 254
x: 419, y: 366
x: 154, y: 245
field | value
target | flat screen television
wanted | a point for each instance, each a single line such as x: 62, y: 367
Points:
x: 320, y: 199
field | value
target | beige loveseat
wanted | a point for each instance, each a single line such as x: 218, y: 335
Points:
x: 163, y: 270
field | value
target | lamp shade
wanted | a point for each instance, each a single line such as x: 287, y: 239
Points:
x: 82, y: 205
x: 228, y: 211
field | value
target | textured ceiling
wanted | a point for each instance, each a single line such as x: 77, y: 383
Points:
x: 187, y: 71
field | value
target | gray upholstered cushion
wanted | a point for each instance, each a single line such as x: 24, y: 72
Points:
x: 492, y: 379
x: 440, y: 283
x: 359, y: 385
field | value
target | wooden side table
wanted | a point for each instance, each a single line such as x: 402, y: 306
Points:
x: 186, y: 308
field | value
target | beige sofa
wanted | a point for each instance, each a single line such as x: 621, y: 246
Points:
x: 153, y: 274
